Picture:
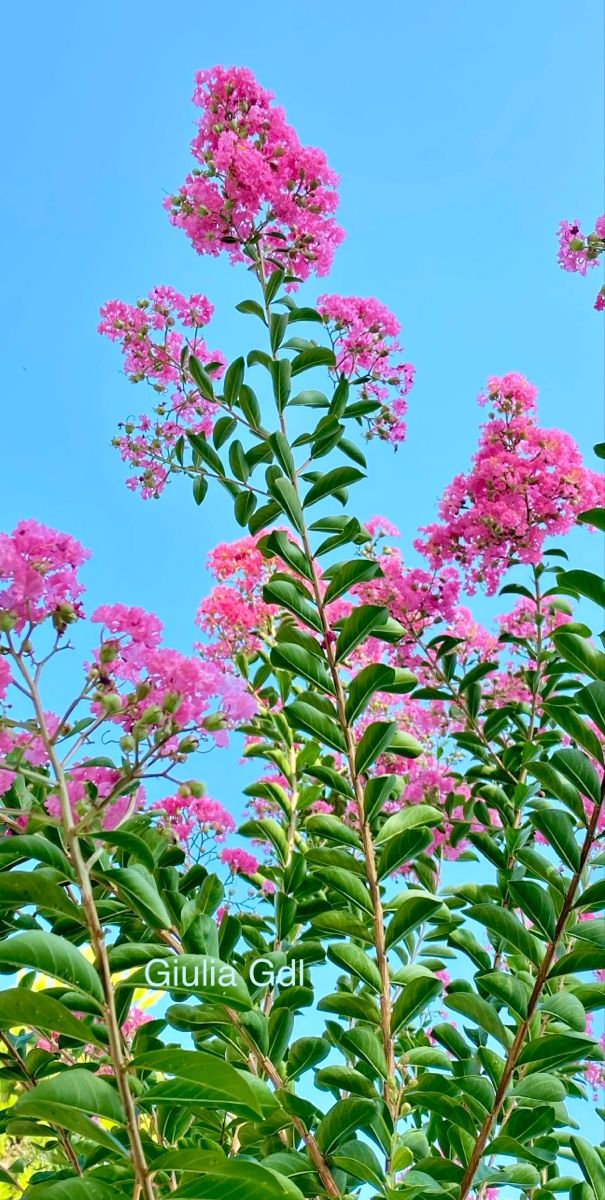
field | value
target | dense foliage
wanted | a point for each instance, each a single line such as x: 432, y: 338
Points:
x: 389, y: 990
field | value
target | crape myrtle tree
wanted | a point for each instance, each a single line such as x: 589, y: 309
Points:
x: 393, y: 735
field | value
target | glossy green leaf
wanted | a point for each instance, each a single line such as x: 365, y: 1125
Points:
x: 53, y: 956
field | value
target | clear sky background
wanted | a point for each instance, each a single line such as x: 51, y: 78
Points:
x: 462, y: 132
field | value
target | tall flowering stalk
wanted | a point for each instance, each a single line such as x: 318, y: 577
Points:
x: 398, y: 740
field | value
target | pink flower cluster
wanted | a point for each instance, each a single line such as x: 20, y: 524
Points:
x: 99, y: 786
x: 156, y: 350
x: 525, y: 483
x: 193, y: 818
x: 172, y: 690
x: 364, y: 336
x: 577, y: 252
x: 417, y: 598
x: 233, y: 614
x: 255, y: 184
x: 239, y: 862
x: 38, y: 567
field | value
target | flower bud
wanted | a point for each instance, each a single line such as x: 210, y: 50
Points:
x: 188, y: 744
x: 196, y: 788
x: 108, y: 652
x: 171, y: 702
x: 7, y: 620
x: 111, y: 702
x: 214, y: 721
x: 127, y: 743
x: 151, y: 715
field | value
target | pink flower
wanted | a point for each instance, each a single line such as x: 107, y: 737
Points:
x: 381, y: 527
x: 136, y: 1017
x: 192, y: 818
x: 526, y: 483
x: 89, y: 786
x: 5, y: 676
x: 239, y: 861
x: 39, y: 565
x: 7, y: 778
x: 364, y: 336
x: 254, y: 183
x: 156, y: 351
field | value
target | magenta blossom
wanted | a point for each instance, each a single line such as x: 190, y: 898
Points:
x: 364, y: 336
x: 254, y: 183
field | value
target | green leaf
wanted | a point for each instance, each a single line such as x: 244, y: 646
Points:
x: 305, y: 1053
x: 217, y: 1177
x: 252, y: 307
x: 584, y: 582
x: 200, y: 377
x: 577, y: 768
x: 327, y: 826
x: 316, y: 356
x: 505, y: 925
x: 20, y: 888
x: 591, y: 700
x: 536, y: 903
x: 32, y: 845
x: 286, y: 496
x: 354, y: 960
x: 569, y: 720
x: 593, y: 516
x: 331, y: 482
x: 68, y: 1189
x: 278, y: 543
x: 281, y: 372
x: 377, y: 792
x: 558, y: 1050
x: 405, y: 847
x: 344, y: 1118
x: 359, y: 1160
x: 140, y: 890
x: 558, y: 829
x: 590, y: 1164
x: 375, y: 738
x: 287, y: 595
x: 565, y: 1007
x: 408, y: 818
x: 67, y: 1097
x: 508, y: 990
x: 36, y: 1010
x: 206, y: 452
x: 414, y: 911
x: 346, y: 884
x: 200, y: 488
x: 362, y: 622
x: 234, y: 377
x: 413, y: 998
x: 344, y: 576
x: 290, y: 657
x: 51, y: 955
x: 374, y: 678
x: 481, y: 1012
x: 304, y: 716
x: 405, y: 745
x: 580, y: 652
x: 543, y: 1087
x: 243, y: 507
x: 585, y: 958
x: 218, y: 1084
x: 556, y: 784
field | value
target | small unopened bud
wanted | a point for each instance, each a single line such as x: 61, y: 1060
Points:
x: 188, y: 744
x: 108, y: 652
x: 7, y: 620
x: 127, y: 743
x: 111, y: 703
x: 576, y: 243
x: 171, y: 702
x: 214, y: 721
x: 151, y: 715
x: 196, y: 788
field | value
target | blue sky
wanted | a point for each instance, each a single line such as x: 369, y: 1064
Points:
x: 462, y: 133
